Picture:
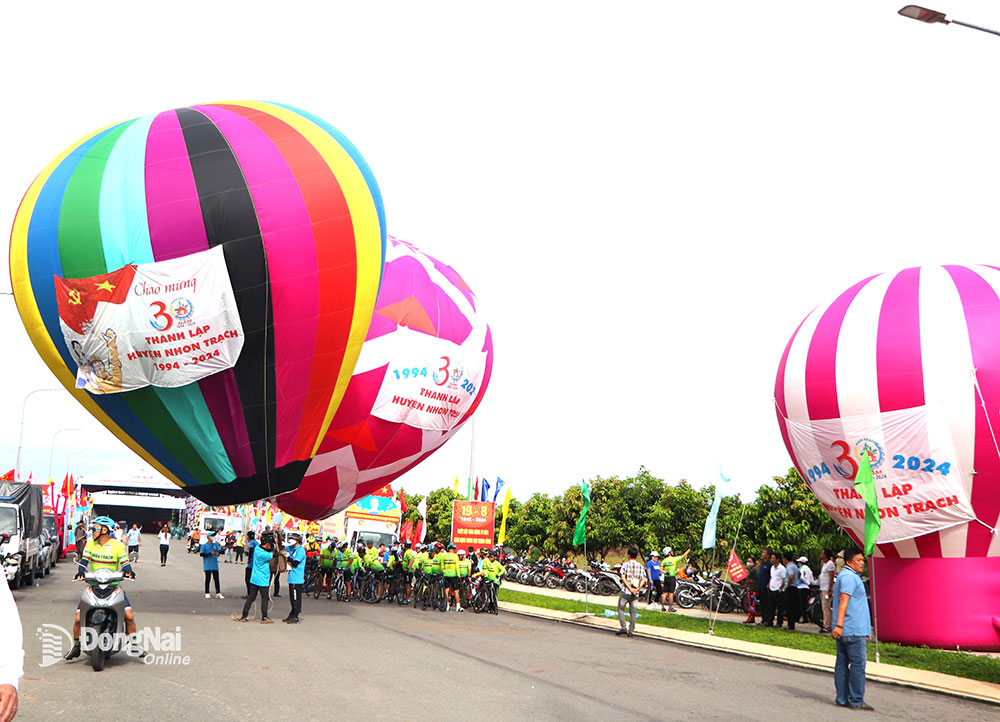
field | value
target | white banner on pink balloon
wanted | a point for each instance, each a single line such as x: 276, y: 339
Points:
x: 430, y: 383
x: 919, y: 481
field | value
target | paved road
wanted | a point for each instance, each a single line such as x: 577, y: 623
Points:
x: 378, y: 662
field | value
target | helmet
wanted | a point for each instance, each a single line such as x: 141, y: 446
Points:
x: 667, y: 551
x: 803, y: 560
x: 361, y: 546
x: 310, y: 537
x: 461, y: 552
x: 342, y: 545
x: 296, y: 536
x: 407, y: 544
x: 493, y: 552
x: 103, y: 521
x: 438, y: 545
x: 451, y: 546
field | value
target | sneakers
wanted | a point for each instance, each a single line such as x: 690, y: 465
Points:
x: 864, y: 705
x: 207, y: 595
x: 219, y: 596
x: 460, y: 608
x: 671, y: 608
x: 74, y: 652
x: 267, y: 620
x: 237, y: 617
x: 621, y: 633
x: 292, y: 620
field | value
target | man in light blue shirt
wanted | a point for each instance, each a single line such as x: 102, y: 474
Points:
x: 296, y: 554
x: 134, y: 540
x: 852, y: 630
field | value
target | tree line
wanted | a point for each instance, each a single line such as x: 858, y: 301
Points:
x: 644, y: 511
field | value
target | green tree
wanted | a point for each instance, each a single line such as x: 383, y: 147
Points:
x: 528, y: 524
x: 439, y: 507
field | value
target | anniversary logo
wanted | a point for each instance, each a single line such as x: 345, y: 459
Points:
x: 156, y: 324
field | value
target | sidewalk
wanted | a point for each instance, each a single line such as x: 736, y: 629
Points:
x: 877, y: 672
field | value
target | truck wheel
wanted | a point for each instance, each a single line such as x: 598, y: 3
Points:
x: 15, y: 582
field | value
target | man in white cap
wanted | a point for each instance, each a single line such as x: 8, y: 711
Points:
x: 806, y: 580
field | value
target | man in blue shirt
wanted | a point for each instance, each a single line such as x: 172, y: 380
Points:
x: 134, y: 540
x: 852, y: 631
x: 296, y: 555
x: 210, y: 563
x: 260, y: 578
x: 763, y: 578
x: 653, y: 572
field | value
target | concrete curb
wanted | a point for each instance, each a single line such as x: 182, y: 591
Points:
x: 876, y: 672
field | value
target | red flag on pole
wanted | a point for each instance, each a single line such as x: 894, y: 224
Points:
x: 475, y: 496
x: 402, y: 502
x: 9, y: 476
x: 737, y: 572
x: 66, y: 487
x: 406, y: 532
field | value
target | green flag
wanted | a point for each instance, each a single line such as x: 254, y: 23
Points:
x: 864, y: 484
x: 580, y: 535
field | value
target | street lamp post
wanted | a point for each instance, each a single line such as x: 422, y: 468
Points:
x: 933, y: 16
x: 52, y: 447
x: 20, y: 438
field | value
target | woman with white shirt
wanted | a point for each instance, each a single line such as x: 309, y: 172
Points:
x: 164, y: 543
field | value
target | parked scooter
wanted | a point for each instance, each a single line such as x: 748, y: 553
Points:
x: 102, y: 616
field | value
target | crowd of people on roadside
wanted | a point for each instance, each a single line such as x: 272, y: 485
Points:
x: 781, y: 584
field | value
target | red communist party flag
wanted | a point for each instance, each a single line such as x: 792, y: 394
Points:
x: 77, y: 298
x: 737, y: 572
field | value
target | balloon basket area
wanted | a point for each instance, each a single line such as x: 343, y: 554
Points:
x: 944, y: 603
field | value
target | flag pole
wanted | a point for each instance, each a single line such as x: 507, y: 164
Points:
x: 586, y: 587
x: 871, y: 575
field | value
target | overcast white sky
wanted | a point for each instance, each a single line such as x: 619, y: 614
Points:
x: 646, y: 197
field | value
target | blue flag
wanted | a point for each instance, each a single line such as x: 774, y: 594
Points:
x: 496, y: 492
x: 708, y: 535
x: 485, y: 490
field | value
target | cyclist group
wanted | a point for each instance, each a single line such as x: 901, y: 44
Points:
x: 428, y: 575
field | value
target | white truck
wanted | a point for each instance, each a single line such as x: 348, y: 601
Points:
x: 379, y: 532
x: 20, y: 531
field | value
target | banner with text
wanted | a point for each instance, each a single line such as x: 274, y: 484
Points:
x: 920, y: 485
x: 472, y: 523
x: 737, y: 572
x: 375, y: 508
x: 431, y: 382
x: 156, y: 324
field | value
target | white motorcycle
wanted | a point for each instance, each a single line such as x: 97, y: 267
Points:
x: 102, y: 616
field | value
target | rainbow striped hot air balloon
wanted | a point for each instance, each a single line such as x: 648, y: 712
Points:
x: 905, y: 368
x: 423, y: 370
x: 299, y: 220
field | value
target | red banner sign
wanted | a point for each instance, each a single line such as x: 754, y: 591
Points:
x: 737, y: 572
x: 472, y: 523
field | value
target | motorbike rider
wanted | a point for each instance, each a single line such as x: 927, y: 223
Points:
x: 105, y: 552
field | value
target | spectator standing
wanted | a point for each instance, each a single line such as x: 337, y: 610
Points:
x: 195, y: 540
x: 852, y: 631
x: 633, y: 580
x: 241, y: 542
x: 251, y: 544
x: 230, y: 543
x: 827, y: 571
x: 80, y: 537
x: 260, y: 577
x: 669, y: 569
x: 296, y: 556
x: 210, y: 563
x: 164, y: 537
x: 279, y: 563
x: 11, y: 653
x: 806, y: 581
x: 134, y: 541
x: 790, y: 591
x: 653, y: 573
x: 763, y: 581
x: 775, y: 602
x: 750, y: 583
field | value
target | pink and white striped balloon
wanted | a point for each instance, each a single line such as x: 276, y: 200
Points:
x: 922, y: 336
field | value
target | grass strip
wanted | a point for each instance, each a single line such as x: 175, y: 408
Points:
x: 960, y: 664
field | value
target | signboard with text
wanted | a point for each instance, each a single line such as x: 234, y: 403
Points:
x: 472, y: 523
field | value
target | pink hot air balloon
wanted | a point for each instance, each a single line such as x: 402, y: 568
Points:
x: 905, y: 367
x: 423, y: 370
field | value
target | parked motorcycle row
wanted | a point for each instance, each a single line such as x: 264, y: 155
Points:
x: 600, y: 579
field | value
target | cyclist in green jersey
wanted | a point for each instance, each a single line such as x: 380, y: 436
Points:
x: 344, y: 559
x: 372, y: 564
x: 327, y: 564
x: 408, y: 555
x: 449, y: 568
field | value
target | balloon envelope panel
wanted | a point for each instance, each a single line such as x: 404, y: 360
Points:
x: 920, y: 338
x: 367, y: 446
x: 300, y: 220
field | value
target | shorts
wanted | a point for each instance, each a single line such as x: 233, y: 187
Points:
x: 669, y: 584
x: 452, y: 583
